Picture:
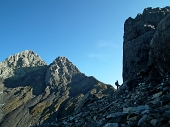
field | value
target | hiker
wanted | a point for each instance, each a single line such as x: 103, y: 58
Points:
x: 117, y: 84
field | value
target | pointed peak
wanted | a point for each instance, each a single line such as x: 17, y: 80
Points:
x: 26, y: 58
x: 61, y: 59
x: 65, y: 65
x: 26, y: 53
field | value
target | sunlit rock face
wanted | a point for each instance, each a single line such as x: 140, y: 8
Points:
x: 17, y: 65
x: 33, y: 92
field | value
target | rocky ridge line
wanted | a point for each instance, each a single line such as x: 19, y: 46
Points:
x: 34, y: 93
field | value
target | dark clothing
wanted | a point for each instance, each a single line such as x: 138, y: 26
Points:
x: 117, y: 84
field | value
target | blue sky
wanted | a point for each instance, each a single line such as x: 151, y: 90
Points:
x: 88, y: 32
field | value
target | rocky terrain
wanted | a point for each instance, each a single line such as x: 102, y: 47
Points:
x: 144, y: 98
x: 138, y: 34
x: 33, y: 92
x: 59, y: 95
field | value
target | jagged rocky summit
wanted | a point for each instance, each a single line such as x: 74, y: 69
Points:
x: 144, y: 98
x: 32, y: 92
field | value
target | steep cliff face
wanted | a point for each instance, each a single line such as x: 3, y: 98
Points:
x: 138, y: 34
x: 34, y: 93
x: 159, y: 55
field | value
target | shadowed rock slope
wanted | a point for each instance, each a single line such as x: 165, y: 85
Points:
x: 137, y: 46
x: 34, y: 92
x: 144, y: 98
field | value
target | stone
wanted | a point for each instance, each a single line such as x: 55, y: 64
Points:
x: 131, y: 119
x: 113, y: 115
x: 157, y: 95
x: 136, y: 110
x: 144, y: 120
x: 145, y: 112
x: 111, y: 125
x: 167, y: 114
x: 153, y: 122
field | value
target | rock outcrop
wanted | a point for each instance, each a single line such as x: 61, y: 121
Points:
x: 138, y: 34
x: 34, y: 92
x: 160, y: 47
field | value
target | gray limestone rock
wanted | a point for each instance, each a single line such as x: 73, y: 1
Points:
x: 19, y: 64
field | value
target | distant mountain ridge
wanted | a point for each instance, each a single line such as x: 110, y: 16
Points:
x: 34, y: 92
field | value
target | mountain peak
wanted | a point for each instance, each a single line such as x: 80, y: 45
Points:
x: 64, y: 62
x: 25, y: 58
x: 17, y: 64
x: 61, y: 68
x: 61, y: 59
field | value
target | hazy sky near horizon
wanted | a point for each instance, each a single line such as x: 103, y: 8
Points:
x: 88, y: 32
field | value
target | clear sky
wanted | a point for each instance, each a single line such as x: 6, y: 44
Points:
x: 88, y: 32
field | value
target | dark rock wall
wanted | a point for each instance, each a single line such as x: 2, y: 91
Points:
x: 160, y: 47
x: 138, y: 33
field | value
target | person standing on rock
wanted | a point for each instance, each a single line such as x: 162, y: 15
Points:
x: 117, y: 84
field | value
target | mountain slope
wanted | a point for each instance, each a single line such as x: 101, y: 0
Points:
x: 34, y: 93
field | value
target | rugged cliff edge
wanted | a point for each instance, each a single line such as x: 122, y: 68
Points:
x: 33, y: 92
